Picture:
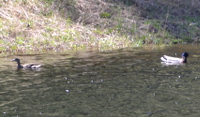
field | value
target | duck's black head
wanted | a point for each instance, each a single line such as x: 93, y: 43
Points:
x: 16, y: 59
x: 185, y: 54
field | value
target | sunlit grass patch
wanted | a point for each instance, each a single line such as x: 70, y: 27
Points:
x: 105, y: 15
x: 50, y: 25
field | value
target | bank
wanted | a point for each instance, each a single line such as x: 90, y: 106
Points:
x: 34, y: 26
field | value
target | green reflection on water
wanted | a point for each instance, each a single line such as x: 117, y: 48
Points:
x: 127, y: 82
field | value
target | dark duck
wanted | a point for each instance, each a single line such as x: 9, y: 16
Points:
x: 26, y: 66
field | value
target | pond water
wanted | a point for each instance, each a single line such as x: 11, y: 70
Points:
x: 125, y: 82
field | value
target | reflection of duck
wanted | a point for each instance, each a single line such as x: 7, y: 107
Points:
x: 169, y: 59
x: 26, y: 66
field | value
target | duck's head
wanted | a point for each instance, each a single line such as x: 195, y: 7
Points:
x: 16, y: 59
x: 185, y: 54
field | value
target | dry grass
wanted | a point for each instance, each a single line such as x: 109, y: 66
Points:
x: 29, y: 26
x: 153, y: 21
x: 141, y: 21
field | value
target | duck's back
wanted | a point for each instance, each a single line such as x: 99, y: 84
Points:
x: 169, y: 58
x: 31, y: 66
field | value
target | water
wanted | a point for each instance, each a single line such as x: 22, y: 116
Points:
x: 120, y: 83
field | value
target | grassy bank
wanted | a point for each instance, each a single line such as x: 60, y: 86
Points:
x: 29, y: 26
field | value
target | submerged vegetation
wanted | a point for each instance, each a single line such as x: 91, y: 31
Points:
x: 56, y: 25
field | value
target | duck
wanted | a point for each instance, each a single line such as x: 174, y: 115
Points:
x: 26, y: 66
x: 169, y: 59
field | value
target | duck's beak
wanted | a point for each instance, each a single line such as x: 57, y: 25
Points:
x: 13, y: 60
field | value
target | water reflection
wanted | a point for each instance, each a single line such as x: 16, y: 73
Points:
x: 126, y: 82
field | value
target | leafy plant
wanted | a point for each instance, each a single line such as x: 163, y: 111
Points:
x: 105, y: 15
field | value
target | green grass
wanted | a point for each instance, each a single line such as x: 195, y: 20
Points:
x: 34, y: 26
x: 105, y: 15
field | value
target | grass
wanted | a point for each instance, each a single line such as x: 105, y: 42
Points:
x: 29, y: 26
